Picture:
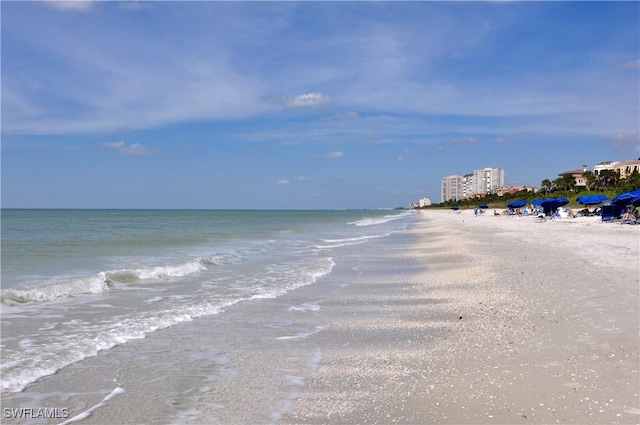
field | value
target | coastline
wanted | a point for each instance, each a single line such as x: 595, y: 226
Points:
x: 485, y: 320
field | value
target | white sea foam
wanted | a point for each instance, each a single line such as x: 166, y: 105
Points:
x: 101, y: 282
x: 157, y: 272
x: 337, y: 243
x: 305, y: 307
x: 302, y: 335
x: 35, y: 361
x: 371, y: 221
x: 72, y: 287
x: 87, y: 413
x: 145, y: 288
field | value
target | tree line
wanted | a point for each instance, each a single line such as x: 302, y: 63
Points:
x: 607, y: 182
x: 604, y: 181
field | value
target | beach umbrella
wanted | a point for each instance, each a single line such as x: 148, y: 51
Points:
x: 627, y: 197
x: 549, y: 205
x: 537, y: 202
x: 517, y: 204
x: 455, y: 207
x: 621, y: 201
x: 483, y: 206
x: 591, y: 199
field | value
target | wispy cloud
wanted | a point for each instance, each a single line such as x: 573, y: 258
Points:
x: 333, y: 155
x: 283, y: 182
x: 308, y: 100
x: 513, y: 138
x: 72, y: 5
x: 135, y: 149
x: 421, y: 61
x: 625, y: 143
x: 462, y: 141
x: 632, y: 64
x: 347, y: 116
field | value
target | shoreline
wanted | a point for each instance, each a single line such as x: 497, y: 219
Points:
x: 493, y: 320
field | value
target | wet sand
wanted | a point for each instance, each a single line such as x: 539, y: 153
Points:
x: 486, y: 319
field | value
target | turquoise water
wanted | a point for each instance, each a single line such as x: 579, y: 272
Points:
x: 76, y: 283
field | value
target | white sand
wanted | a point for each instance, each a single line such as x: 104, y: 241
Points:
x: 490, y: 320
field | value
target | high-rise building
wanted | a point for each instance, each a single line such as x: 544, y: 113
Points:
x: 452, y: 188
x: 487, y: 180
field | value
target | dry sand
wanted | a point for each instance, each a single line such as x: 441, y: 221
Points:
x: 487, y: 319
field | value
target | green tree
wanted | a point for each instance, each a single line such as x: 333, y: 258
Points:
x: 590, y: 180
x: 608, y: 179
x: 629, y: 183
x: 565, y: 182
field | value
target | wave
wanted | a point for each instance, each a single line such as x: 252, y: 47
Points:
x: 336, y: 243
x: 49, y: 292
x: 35, y: 361
x: 158, y: 272
x: 104, y: 281
x: 372, y: 221
x: 41, y: 361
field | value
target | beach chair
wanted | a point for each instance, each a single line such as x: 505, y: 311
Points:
x: 607, y: 213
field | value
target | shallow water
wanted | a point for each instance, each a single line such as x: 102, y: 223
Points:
x: 178, y: 332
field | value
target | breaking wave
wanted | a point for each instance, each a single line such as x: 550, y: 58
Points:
x: 102, y: 281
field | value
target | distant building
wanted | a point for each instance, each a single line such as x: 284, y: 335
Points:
x: 481, y: 182
x: 451, y: 188
x: 468, y: 185
x: 478, y: 183
x: 424, y: 202
x: 578, y: 175
x: 621, y: 168
x: 488, y: 179
x: 501, y: 191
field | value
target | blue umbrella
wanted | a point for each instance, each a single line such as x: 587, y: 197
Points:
x: 620, y: 202
x: 517, y: 204
x: 455, y: 207
x: 551, y: 204
x: 591, y: 199
x: 537, y: 202
x: 627, y: 198
x: 483, y: 206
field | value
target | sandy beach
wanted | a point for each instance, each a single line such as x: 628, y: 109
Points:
x: 486, y: 319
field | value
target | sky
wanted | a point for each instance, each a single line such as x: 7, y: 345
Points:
x: 307, y: 105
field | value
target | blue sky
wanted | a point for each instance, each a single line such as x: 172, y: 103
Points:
x: 307, y: 104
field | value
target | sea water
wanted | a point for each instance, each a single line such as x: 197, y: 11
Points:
x: 168, y: 313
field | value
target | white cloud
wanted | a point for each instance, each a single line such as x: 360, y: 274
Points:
x: 135, y: 149
x: 283, y: 182
x: 308, y: 100
x: 625, y: 143
x: 303, y: 178
x: 113, y: 145
x: 333, y: 155
x: 73, y: 5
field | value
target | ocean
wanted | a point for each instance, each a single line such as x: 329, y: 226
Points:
x: 169, y: 316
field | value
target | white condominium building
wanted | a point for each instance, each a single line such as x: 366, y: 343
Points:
x: 482, y: 181
x: 487, y: 180
x: 452, y: 188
